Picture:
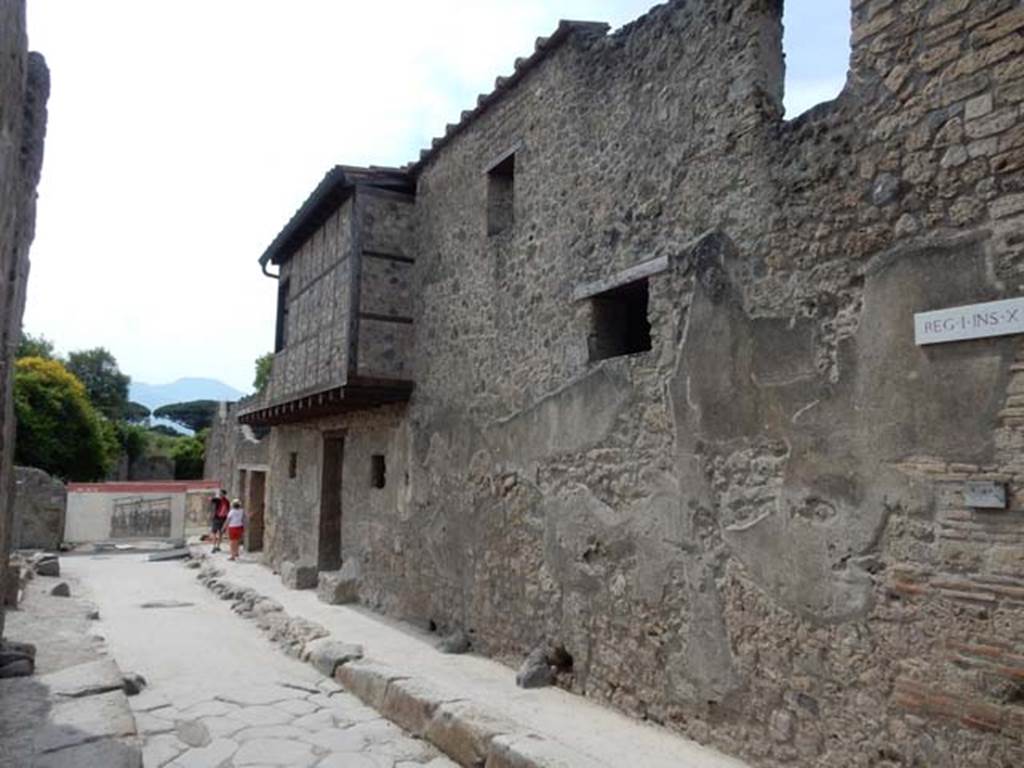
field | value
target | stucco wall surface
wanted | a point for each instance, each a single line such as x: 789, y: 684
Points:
x: 123, y: 514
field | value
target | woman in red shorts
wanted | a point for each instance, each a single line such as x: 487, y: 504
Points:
x: 236, y: 526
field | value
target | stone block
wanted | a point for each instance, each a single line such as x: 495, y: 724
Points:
x: 46, y: 564
x: 82, y: 720
x: 327, y: 654
x: 464, y: 731
x: 338, y: 587
x: 367, y: 680
x: 88, y: 679
x: 295, y: 576
x: 411, y: 704
x: 40, y: 502
x: 61, y: 590
x: 532, y: 751
x: 106, y: 753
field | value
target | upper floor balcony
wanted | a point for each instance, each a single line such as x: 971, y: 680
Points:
x: 344, y: 332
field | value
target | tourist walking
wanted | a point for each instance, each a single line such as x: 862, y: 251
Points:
x: 236, y: 527
x: 219, y: 514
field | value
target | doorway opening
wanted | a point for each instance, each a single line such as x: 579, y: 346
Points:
x: 329, y: 544
x: 256, y: 504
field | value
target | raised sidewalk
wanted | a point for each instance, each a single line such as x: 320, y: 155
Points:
x: 469, y: 706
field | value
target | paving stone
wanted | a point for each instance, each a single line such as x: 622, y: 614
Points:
x: 275, y: 752
x: 222, y: 727
x: 386, y: 739
x: 316, y: 721
x: 105, y: 753
x: 298, y: 707
x: 151, y: 722
x: 272, y: 732
x: 348, y: 760
x: 213, y: 756
x: 147, y: 701
x: 212, y: 708
x: 262, y: 694
x: 339, y: 740
x: 93, y: 677
x: 193, y: 732
x: 77, y: 721
x: 437, y: 762
x: 328, y: 686
x: 160, y: 750
x: 352, y: 711
x: 263, y: 715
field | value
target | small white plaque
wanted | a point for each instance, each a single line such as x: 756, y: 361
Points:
x: 973, y: 321
x: 982, y: 494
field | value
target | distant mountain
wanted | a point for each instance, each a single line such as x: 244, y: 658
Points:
x: 154, y: 395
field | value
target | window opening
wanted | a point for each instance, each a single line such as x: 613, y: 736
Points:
x: 501, y: 195
x: 293, y: 464
x: 816, y: 41
x: 378, y: 471
x: 619, y: 324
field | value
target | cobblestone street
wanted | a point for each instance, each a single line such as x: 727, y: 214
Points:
x: 221, y: 695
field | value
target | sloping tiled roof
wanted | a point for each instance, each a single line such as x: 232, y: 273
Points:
x: 502, y: 85
x: 325, y: 199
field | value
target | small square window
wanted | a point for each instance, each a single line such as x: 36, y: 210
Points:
x: 378, y: 471
x: 619, y: 323
x: 293, y: 464
x: 501, y: 195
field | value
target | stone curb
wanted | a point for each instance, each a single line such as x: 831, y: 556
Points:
x: 470, y: 734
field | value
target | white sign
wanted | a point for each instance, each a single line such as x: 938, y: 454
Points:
x: 974, y: 321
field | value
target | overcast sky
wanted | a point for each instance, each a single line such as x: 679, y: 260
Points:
x: 183, y: 134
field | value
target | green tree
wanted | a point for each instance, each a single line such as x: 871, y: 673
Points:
x: 194, y: 415
x: 264, y: 363
x: 107, y: 386
x: 132, y: 439
x: 188, y: 454
x: 136, y: 413
x: 34, y: 346
x: 59, y: 431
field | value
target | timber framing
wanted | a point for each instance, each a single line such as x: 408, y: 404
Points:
x: 367, y: 393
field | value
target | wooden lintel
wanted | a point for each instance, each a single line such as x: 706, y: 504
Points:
x: 632, y: 274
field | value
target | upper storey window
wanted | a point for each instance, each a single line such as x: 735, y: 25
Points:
x: 501, y: 195
x: 619, y: 324
x: 816, y: 40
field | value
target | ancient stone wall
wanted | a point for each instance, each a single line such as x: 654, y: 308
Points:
x: 387, y: 245
x: 231, y: 447
x: 40, y: 504
x: 755, y: 531
x: 24, y: 87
